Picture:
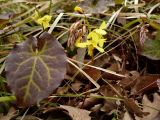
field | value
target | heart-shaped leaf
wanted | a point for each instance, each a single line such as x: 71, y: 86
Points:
x: 35, y: 68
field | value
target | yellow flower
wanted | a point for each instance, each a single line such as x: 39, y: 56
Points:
x: 80, y: 44
x: 44, y: 21
x: 103, y: 25
x: 78, y: 9
x: 94, y: 40
x: 90, y: 50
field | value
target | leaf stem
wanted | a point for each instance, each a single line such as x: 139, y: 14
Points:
x: 7, y: 98
x: 91, y: 96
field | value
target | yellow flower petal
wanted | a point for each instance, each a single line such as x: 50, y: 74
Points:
x: 89, y: 36
x: 100, y: 31
x: 101, y: 42
x: 81, y: 45
x: 78, y: 40
x: 103, y: 25
x: 78, y: 9
x: 90, y: 50
x: 44, y: 21
x: 93, y: 36
x: 94, y: 40
x: 99, y: 48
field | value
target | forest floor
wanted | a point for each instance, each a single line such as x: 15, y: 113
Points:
x: 79, y: 60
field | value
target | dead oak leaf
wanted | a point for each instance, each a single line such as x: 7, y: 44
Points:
x: 127, y: 116
x: 133, y: 108
x: 146, y: 83
x: 152, y: 107
x: 76, y: 113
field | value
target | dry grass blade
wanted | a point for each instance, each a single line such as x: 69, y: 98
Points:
x: 136, y: 8
x: 151, y: 10
x: 55, y: 23
x: 101, y: 69
x: 89, y: 78
x: 113, y: 18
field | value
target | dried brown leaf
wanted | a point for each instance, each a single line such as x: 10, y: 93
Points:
x: 146, y: 83
x: 153, y: 108
x: 114, y: 67
x: 76, y: 113
x: 109, y: 105
x: 133, y: 108
x: 93, y: 73
x: 127, y: 116
x: 76, y: 86
x: 89, y: 102
x: 130, y: 80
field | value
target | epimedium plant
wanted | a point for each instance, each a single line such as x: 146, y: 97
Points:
x: 95, y: 39
x: 35, y: 68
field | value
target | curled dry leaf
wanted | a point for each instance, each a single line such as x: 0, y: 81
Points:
x: 130, y: 80
x: 133, y: 108
x: 35, y: 68
x: 56, y: 113
x: 76, y: 113
x: 153, y: 108
x: 89, y: 102
x: 127, y: 116
x: 109, y: 105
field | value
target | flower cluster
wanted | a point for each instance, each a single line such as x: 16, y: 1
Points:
x: 95, y: 39
x: 43, y: 21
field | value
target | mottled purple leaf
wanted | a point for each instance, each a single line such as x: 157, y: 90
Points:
x: 35, y: 68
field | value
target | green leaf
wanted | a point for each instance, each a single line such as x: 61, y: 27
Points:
x: 151, y: 49
x: 35, y: 68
